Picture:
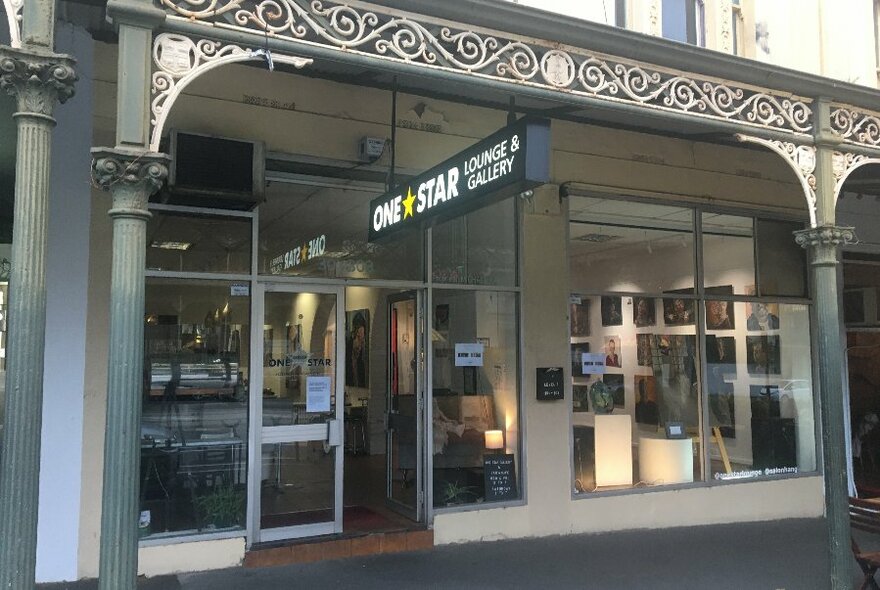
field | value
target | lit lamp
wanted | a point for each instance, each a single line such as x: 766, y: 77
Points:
x: 494, y: 440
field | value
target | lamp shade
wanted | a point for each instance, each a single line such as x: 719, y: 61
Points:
x: 494, y: 439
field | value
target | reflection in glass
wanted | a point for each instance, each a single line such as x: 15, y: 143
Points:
x: 321, y: 231
x: 298, y: 484
x: 186, y: 242
x: 728, y: 254
x: 299, y: 338
x: 472, y: 397
x: 194, y: 422
x: 478, y: 248
x: 622, y: 246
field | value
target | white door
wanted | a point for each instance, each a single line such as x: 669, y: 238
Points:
x: 297, y: 410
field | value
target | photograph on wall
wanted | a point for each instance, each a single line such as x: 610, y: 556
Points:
x: 580, y: 317
x: 612, y: 351
x: 678, y: 311
x: 763, y: 355
x: 611, y: 312
x: 644, y: 312
x: 618, y: 391
x: 643, y: 349
x: 762, y: 316
x: 721, y: 353
x: 577, y: 352
x: 357, y: 348
x: 580, y: 395
x: 647, y: 410
x: 441, y: 319
x: 674, y: 358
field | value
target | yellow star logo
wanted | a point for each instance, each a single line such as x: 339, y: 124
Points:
x: 304, y: 253
x: 408, y: 203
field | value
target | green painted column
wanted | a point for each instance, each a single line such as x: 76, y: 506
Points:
x: 823, y: 244
x: 38, y: 79
x: 131, y: 177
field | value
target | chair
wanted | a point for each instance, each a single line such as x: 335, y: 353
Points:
x: 864, y: 515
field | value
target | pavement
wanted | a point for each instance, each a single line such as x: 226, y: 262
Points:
x: 777, y: 555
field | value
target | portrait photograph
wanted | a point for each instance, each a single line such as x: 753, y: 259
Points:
x: 643, y: 349
x: 618, y: 390
x: 612, y: 351
x: 647, y: 410
x: 644, y: 312
x: 719, y: 315
x: 580, y: 395
x: 580, y: 318
x: 763, y: 355
x: 577, y: 352
x: 357, y: 348
x: 611, y: 312
x: 678, y: 311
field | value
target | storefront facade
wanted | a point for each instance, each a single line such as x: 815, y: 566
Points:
x: 635, y: 340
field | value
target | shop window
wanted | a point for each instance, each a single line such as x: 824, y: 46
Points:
x: 685, y: 21
x: 478, y: 248
x: 189, y: 242
x: 475, y: 402
x: 194, y: 425
x: 651, y: 355
x: 320, y: 230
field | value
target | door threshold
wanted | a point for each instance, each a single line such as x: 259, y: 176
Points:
x: 339, y: 546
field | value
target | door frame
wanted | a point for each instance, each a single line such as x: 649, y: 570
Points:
x: 419, y: 348
x: 259, y: 435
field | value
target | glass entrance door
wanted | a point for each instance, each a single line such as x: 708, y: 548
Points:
x: 405, y: 407
x: 297, y: 455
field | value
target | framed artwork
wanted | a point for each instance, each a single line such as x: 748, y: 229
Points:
x: 580, y: 395
x: 577, y: 367
x: 647, y: 409
x: 612, y: 351
x: 721, y: 350
x: 674, y: 357
x: 644, y: 312
x: 643, y: 349
x: 762, y: 316
x: 357, y: 348
x: 719, y: 314
x: 722, y: 414
x: 765, y: 401
x: 618, y: 391
x: 763, y: 355
x: 441, y: 318
x: 580, y: 318
x: 611, y: 313
x: 678, y: 311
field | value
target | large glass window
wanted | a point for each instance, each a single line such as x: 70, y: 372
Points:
x: 651, y: 354
x: 475, y: 442
x: 194, y: 426
x: 191, y: 242
x: 684, y: 20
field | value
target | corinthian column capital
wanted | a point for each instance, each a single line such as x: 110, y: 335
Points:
x: 131, y: 176
x: 825, y: 235
x: 38, y: 80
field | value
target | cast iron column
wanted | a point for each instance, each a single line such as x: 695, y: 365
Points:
x: 38, y: 79
x: 823, y: 244
x: 131, y: 177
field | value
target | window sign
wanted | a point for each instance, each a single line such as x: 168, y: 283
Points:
x: 592, y: 363
x: 468, y: 355
x: 318, y: 394
x: 508, y: 162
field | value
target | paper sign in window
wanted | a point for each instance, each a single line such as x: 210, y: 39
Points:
x: 318, y: 394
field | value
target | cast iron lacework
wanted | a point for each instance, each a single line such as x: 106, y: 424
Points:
x: 861, y: 127
x: 801, y: 159
x: 13, y: 16
x: 844, y: 163
x: 393, y: 35
x: 179, y: 60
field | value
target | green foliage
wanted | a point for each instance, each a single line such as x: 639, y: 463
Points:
x: 222, y: 507
x: 453, y: 493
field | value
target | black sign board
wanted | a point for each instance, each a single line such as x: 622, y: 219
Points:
x: 508, y: 162
x: 499, y: 475
x: 550, y: 383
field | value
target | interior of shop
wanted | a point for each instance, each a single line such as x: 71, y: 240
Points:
x: 636, y: 320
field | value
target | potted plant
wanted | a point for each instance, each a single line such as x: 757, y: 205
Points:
x: 222, y: 507
x: 454, y: 493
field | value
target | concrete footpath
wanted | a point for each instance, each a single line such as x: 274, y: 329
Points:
x: 780, y: 555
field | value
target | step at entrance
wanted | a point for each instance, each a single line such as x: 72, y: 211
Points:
x: 338, y: 547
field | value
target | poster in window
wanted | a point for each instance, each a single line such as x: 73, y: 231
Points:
x: 357, y: 348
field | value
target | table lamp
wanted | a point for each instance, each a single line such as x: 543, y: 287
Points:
x: 494, y: 440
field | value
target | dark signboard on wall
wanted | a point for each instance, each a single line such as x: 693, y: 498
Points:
x: 499, y: 475
x: 508, y: 162
x: 550, y: 384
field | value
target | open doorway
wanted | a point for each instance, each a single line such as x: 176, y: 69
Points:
x: 384, y: 475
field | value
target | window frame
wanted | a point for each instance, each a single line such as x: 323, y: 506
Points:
x: 700, y: 297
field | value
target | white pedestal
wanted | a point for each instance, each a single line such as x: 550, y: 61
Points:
x: 613, y: 450
x: 666, y: 461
